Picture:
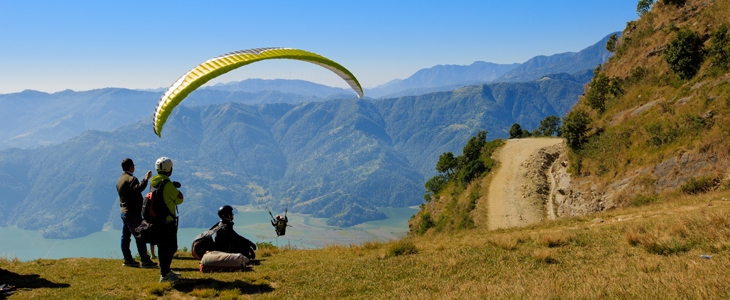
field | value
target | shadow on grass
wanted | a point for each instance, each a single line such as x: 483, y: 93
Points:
x: 254, y: 262
x: 186, y: 258
x: 188, y: 285
x: 186, y: 269
x: 33, y: 281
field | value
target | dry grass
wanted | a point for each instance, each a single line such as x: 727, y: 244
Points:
x: 506, y: 242
x: 648, y: 252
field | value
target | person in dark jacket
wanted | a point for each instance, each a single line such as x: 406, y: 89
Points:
x: 227, y: 240
x: 130, y: 203
x: 280, y: 224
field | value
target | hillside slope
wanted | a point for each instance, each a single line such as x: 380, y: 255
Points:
x: 675, y: 250
x: 657, y: 114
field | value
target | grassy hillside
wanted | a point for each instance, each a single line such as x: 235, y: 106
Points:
x: 663, y: 99
x: 648, y: 252
x: 668, y: 237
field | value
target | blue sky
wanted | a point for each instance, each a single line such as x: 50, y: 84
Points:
x: 82, y: 45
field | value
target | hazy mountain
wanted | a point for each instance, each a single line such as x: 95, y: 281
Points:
x: 450, y: 77
x: 569, y: 62
x: 339, y: 159
x: 299, y: 87
x: 30, y: 118
x: 443, y: 75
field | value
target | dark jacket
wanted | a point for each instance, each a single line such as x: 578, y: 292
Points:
x: 227, y: 240
x: 280, y: 225
x: 130, y: 193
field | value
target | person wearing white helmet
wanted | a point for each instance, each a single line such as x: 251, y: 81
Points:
x: 167, y: 243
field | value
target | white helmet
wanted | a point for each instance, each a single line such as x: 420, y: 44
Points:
x: 163, y: 164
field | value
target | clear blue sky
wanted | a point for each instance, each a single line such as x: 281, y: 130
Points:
x: 81, y: 45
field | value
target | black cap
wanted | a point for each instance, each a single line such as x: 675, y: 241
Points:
x: 127, y: 163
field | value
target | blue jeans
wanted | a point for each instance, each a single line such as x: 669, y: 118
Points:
x: 131, y: 221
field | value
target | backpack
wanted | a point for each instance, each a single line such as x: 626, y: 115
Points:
x: 204, y: 242
x: 154, y: 209
x: 154, y: 214
x: 280, y: 227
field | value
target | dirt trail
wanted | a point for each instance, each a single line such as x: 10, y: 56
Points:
x: 509, y: 204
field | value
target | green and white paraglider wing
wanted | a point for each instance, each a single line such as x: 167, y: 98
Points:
x: 220, y: 65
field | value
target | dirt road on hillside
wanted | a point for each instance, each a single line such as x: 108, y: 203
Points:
x: 510, y: 202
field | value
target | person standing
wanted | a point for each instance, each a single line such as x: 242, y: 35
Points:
x: 130, y: 203
x: 167, y: 239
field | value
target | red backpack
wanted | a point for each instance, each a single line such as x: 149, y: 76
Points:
x: 154, y: 214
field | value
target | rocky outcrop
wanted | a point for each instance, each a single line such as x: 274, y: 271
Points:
x: 580, y: 196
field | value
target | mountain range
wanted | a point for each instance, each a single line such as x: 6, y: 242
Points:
x: 338, y: 158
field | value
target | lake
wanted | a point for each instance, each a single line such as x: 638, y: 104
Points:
x: 306, y: 233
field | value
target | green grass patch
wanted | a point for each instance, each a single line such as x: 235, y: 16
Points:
x: 698, y: 185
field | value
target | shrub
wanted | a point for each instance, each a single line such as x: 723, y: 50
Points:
x: 597, y: 92
x: 515, y: 131
x: 575, y: 126
x: 435, y: 185
x: 642, y: 200
x: 643, y: 7
x: 611, y: 43
x: 719, y: 51
x: 425, y: 223
x: 685, y: 54
x: 698, y: 185
x: 549, y: 126
x: 615, y: 86
x: 674, y: 2
x: 473, y: 147
x: 265, y: 245
x: 665, y: 247
x: 402, y: 248
x: 637, y: 74
x: 660, y: 134
x: 447, y: 163
x: 472, y: 171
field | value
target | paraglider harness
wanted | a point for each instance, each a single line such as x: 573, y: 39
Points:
x: 280, y: 224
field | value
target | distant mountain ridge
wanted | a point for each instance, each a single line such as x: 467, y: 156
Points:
x: 289, y: 86
x: 337, y: 159
x: 56, y: 117
x: 569, y: 62
x: 449, y: 77
x: 31, y: 119
x: 444, y: 75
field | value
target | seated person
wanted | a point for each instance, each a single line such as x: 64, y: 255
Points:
x: 227, y: 240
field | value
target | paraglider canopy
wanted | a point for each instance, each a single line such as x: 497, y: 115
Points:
x: 222, y: 64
